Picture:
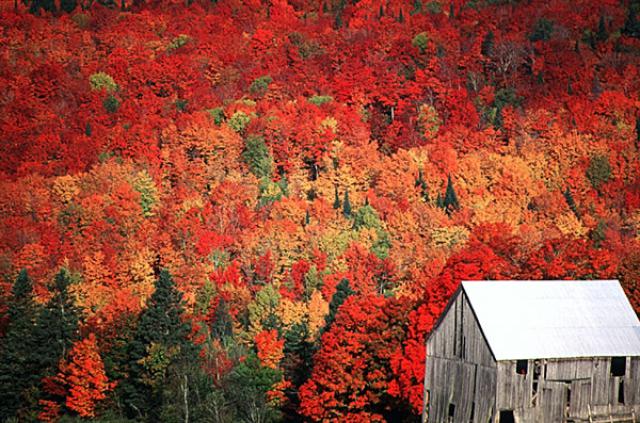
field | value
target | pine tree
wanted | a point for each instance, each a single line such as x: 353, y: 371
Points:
x: 336, y: 201
x: 401, y: 16
x: 571, y: 202
x: 343, y: 291
x: 450, y: 198
x: 346, y: 206
x: 19, y: 371
x: 68, y: 5
x: 221, y: 326
x: 486, y: 48
x: 307, y: 218
x: 160, y: 344
x: 602, y: 34
x: 57, y: 327
x: 422, y: 184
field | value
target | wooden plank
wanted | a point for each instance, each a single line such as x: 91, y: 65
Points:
x: 600, y: 390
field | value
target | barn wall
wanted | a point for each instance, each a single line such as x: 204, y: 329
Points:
x: 460, y: 370
x: 567, y: 389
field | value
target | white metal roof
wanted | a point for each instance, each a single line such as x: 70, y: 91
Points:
x: 555, y: 319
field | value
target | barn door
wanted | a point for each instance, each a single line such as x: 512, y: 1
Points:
x: 580, y: 399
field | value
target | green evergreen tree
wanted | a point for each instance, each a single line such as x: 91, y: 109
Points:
x: 222, y: 327
x: 247, y: 385
x: 638, y: 131
x: 57, y: 324
x: 450, y: 198
x: 381, y: 12
x: 602, y: 34
x: 486, y: 48
x: 307, y: 218
x: 422, y: 184
x: 68, y: 5
x: 401, y: 16
x: 571, y: 202
x: 19, y: 369
x: 159, y: 346
x: 632, y: 25
x: 336, y: 200
x: 343, y: 291
x: 346, y: 205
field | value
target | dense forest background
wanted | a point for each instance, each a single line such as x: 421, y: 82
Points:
x: 254, y: 210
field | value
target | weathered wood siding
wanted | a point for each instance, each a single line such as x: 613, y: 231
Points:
x: 460, y: 369
x: 568, y: 389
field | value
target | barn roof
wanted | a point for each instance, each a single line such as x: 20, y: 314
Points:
x: 554, y: 319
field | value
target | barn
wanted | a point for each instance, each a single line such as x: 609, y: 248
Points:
x: 534, y: 351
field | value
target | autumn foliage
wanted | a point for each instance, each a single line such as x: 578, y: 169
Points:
x: 311, y: 179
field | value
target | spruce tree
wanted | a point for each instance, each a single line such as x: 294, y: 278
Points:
x: 486, y: 48
x: 159, y: 345
x: 602, y: 34
x: 221, y: 327
x: 336, y: 200
x: 343, y: 291
x: 346, y: 206
x: 571, y: 202
x: 450, y: 198
x: 422, y: 184
x: 68, y: 5
x: 57, y: 325
x: 307, y: 218
x: 19, y: 370
x: 638, y: 131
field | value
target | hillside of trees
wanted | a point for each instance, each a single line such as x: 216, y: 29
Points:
x: 255, y: 210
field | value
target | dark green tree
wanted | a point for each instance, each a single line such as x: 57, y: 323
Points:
x: 68, y: 5
x: 450, y: 198
x: 602, y: 34
x: 57, y: 324
x: 256, y: 155
x: 346, y: 205
x: 638, y: 131
x: 422, y: 184
x: 222, y: 326
x: 343, y: 291
x: 336, y: 200
x: 571, y: 202
x: 46, y: 5
x: 247, y: 386
x: 307, y: 218
x: 486, y: 48
x: 542, y: 30
x: 19, y: 369
x: 401, y: 16
x: 159, y: 346
x: 632, y: 25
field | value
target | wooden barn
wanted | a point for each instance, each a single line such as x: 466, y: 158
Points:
x: 534, y: 351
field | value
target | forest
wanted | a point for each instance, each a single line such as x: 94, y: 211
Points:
x: 255, y: 210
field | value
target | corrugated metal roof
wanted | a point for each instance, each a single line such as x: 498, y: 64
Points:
x: 555, y: 319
